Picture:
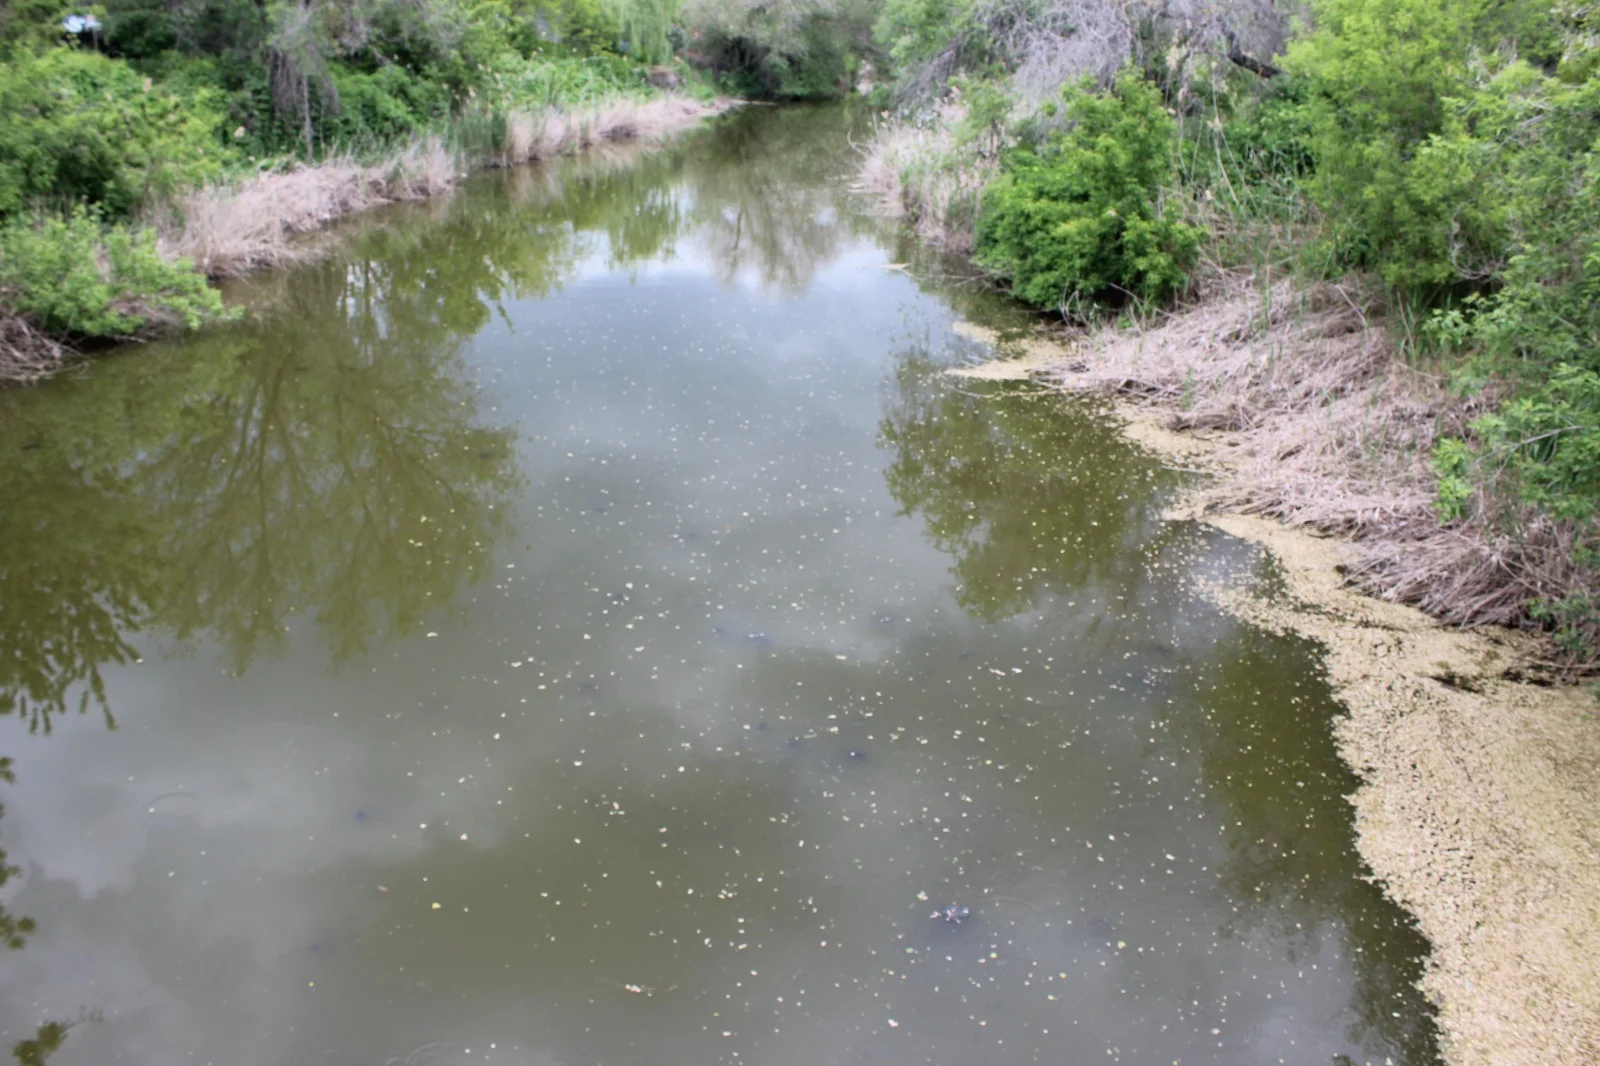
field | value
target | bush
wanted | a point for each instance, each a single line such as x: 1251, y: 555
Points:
x: 1082, y: 213
x: 78, y: 126
x: 75, y: 278
x: 384, y: 106
x: 1385, y: 80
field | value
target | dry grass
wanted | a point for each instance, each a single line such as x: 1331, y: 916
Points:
x: 1324, y: 426
x: 26, y: 355
x: 531, y: 136
x: 232, y: 229
x: 918, y: 173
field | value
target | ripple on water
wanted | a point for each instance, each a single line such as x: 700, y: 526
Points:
x: 176, y: 804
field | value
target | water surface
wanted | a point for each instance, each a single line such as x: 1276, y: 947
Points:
x: 579, y: 623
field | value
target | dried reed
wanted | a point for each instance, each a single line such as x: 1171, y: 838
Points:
x: 26, y: 354
x: 532, y: 136
x: 232, y: 229
x: 1325, y: 426
x: 920, y: 174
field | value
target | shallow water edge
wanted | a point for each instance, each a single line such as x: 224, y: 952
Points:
x: 1479, y: 804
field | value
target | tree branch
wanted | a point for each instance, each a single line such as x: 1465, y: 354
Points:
x: 1238, y: 58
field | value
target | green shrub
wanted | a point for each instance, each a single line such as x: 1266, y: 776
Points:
x: 78, y: 279
x: 1082, y: 213
x: 78, y: 126
x: 1386, y: 80
x: 386, y: 105
x: 566, y: 83
x: 29, y: 25
x: 1272, y: 140
x: 916, y: 30
x: 587, y: 25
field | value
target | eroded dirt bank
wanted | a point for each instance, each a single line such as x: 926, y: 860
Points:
x: 1479, y: 807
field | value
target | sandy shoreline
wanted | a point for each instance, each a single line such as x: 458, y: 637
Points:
x: 1479, y: 808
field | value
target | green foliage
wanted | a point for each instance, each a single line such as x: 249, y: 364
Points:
x: 931, y: 40
x: 1457, y: 152
x: 1270, y: 138
x: 1572, y: 619
x: 1394, y: 97
x: 381, y: 107
x: 784, y: 49
x: 31, y: 25
x: 987, y: 114
x: 76, y: 125
x: 148, y: 29
x: 1452, y: 463
x: 643, y: 27
x: 564, y: 83
x: 915, y: 30
x: 76, y: 278
x: 589, y: 26
x: 1548, y: 444
x: 1082, y: 213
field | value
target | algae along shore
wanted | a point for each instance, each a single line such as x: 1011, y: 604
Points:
x: 863, y: 531
x: 1270, y: 253
x: 1479, y: 804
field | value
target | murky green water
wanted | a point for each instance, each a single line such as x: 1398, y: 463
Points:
x: 581, y: 625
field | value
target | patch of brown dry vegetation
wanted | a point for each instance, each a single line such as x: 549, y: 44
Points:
x: 228, y: 230
x: 918, y: 173
x: 1326, y: 427
x: 26, y: 354
x: 532, y: 136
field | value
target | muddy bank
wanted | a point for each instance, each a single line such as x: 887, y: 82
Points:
x: 1479, y: 808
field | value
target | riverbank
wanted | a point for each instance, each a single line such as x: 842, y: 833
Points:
x: 1479, y: 808
x: 267, y: 220
x: 227, y: 230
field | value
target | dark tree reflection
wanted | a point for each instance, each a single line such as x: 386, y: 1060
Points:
x: 37, y: 1049
x: 1031, y: 497
x: 1026, y: 493
x: 768, y: 196
x: 14, y: 933
x: 329, y: 459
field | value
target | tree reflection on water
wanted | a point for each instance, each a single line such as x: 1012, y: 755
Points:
x: 329, y: 456
x: 1032, y: 497
x: 329, y: 460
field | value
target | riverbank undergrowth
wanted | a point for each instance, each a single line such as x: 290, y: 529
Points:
x: 1383, y: 276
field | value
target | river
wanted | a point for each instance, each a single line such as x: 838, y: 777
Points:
x: 578, y: 622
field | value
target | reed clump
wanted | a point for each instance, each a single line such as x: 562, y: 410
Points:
x: 531, y: 136
x: 922, y: 173
x: 234, y: 228
x: 231, y: 229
